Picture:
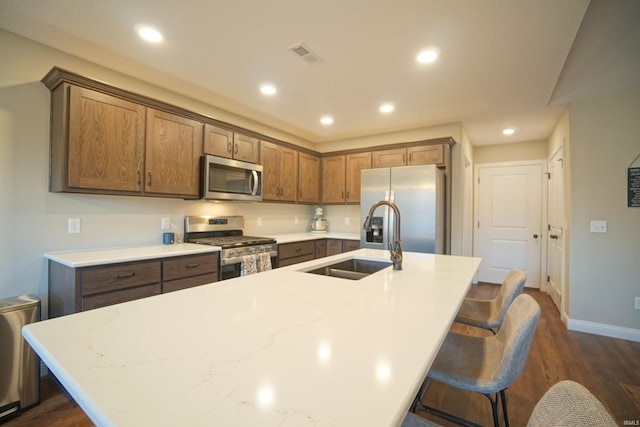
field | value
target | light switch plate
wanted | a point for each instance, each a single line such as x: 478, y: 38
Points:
x: 598, y: 226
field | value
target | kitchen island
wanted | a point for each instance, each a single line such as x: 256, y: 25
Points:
x: 281, y: 348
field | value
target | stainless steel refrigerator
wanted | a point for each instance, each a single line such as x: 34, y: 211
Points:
x: 419, y: 192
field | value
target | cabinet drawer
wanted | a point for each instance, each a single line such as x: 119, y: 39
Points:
x: 295, y: 260
x: 188, y: 282
x: 120, y: 276
x: 296, y: 249
x: 187, y: 266
x: 116, y: 297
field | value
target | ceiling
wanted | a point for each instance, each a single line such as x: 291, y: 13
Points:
x: 502, y: 63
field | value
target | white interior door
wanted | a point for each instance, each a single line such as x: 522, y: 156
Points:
x: 556, y: 220
x: 509, y: 208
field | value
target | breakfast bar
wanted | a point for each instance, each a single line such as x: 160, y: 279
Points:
x: 281, y: 348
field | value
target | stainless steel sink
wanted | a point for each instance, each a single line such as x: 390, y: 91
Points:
x: 353, y: 268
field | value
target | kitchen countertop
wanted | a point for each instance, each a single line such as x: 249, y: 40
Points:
x: 75, y: 259
x: 299, y: 237
x: 87, y: 258
x: 281, y: 348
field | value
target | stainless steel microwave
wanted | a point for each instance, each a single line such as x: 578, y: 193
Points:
x: 227, y: 179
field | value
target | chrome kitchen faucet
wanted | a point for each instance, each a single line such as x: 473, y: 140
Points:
x: 396, y: 249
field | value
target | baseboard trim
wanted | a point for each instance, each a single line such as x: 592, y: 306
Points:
x: 604, y: 329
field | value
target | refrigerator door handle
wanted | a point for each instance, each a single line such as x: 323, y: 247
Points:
x: 390, y: 215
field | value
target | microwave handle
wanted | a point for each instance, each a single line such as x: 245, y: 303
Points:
x: 254, y: 182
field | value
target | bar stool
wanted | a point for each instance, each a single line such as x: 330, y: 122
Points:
x: 490, y: 364
x: 488, y: 314
x: 565, y: 404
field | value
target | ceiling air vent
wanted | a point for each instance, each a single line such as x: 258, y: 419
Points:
x: 305, y: 53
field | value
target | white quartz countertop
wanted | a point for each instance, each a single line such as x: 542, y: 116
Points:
x: 280, y: 348
x: 75, y: 259
x: 299, y: 237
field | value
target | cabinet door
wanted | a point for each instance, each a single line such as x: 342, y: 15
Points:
x: 217, y: 141
x: 321, y: 248
x: 288, y: 171
x: 425, y: 155
x: 355, y: 163
x: 270, y: 177
x: 334, y: 246
x: 389, y: 158
x: 106, y: 142
x: 174, y: 146
x: 333, y: 179
x: 308, y: 178
x: 246, y: 148
x: 116, y: 297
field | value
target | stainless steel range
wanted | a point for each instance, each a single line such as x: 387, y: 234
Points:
x: 227, y: 232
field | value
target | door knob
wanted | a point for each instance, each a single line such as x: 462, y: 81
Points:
x: 553, y: 236
x: 535, y: 236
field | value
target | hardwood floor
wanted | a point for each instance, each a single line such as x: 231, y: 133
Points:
x: 608, y: 367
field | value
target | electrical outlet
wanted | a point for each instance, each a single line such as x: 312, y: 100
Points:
x: 73, y: 225
x: 165, y: 223
x: 598, y: 226
x: 637, y: 303
x: 347, y: 220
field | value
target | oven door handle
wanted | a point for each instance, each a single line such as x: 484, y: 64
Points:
x: 254, y: 183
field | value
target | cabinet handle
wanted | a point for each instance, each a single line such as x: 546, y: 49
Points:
x: 194, y: 265
x: 139, y: 178
x: 347, y: 194
x: 124, y: 275
x: 298, y: 249
x: 404, y: 158
x: 229, y: 147
x: 342, y: 195
x: 236, y: 149
x: 150, y: 178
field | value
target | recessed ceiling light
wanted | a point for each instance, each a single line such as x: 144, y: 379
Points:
x: 387, y: 108
x: 326, y: 120
x: 268, y: 89
x: 508, y: 131
x: 427, y: 56
x: 149, y: 34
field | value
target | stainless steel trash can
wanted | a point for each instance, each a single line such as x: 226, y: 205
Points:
x: 19, y: 364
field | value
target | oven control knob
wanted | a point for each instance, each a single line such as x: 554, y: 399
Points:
x: 240, y: 251
x: 232, y: 252
x: 263, y: 248
x: 252, y: 250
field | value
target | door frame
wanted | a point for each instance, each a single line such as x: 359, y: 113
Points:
x: 543, y: 206
x: 561, y: 150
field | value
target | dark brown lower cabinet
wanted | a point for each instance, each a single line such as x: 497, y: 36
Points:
x: 72, y: 290
x: 295, y: 252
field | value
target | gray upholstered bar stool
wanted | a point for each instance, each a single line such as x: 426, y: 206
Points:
x: 488, y: 314
x: 570, y: 404
x: 487, y: 364
x: 565, y: 404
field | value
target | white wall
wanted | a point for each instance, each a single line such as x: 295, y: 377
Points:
x: 604, y: 268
